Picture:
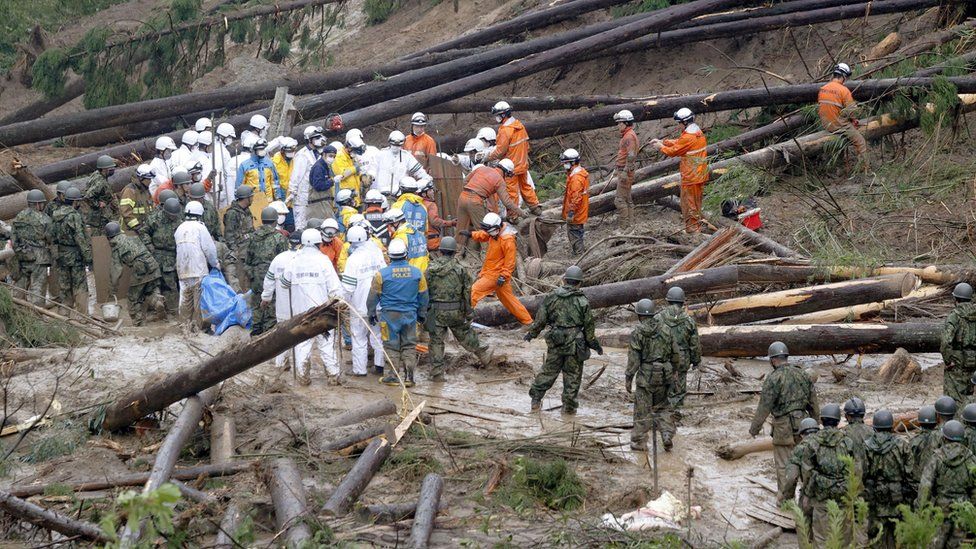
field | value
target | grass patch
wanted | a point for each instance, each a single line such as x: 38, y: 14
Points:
x: 55, y: 443
x: 412, y: 465
x: 29, y: 330
x: 378, y: 11
x: 553, y: 484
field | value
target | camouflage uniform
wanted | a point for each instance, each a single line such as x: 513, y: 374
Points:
x: 652, y: 360
x: 31, y: 236
x: 74, y: 253
x: 959, y: 351
x: 828, y: 478
x: 858, y: 432
x: 238, y: 227
x: 685, y: 333
x: 449, y: 286
x: 262, y: 247
x: 570, y: 337
x: 158, y: 234
x: 970, y: 440
x: 102, y: 207
x: 920, y: 449
x: 129, y: 251
x: 948, y: 478
x: 796, y: 469
x: 886, y: 461
x: 789, y: 396
x: 135, y: 205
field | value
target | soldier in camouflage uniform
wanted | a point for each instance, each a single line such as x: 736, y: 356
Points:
x: 856, y: 429
x: 59, y: 200
x: 789, y: 396
x: 802, y: 453
x: 136, y: 204
x: 262, y: 247
x: 685, y: 333
x: 102, y: 207
x: 129, y: 251
x: 568, y: 342
x: 651, y: 360
x: 31, y: 239
x: 828, y: 473
x: 949, y: 477
x: 886, y: 461
x: 238, y: 227
x: 158, y: 235
x: 922, y: 446
x: 449, y: 286
x: 959, y: 344
x: 969, y: 419
x: 74, y: 251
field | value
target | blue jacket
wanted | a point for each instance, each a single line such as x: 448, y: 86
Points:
x: 321, y: 176
x: 399, y: 287
x: 257, y: 172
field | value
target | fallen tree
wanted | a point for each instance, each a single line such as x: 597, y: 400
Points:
x: 427, y: 505
x: 353, y: 484
x: 50, y: 520
x: 288, y: 496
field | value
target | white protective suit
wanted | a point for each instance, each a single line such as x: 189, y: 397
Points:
x: 182, y: 157
x: 225, y: 176
x: 204, y: 159
x: 392, y: 165
x: 161, y: 168
x: 312, y: 280
x: 272, y: 289
x: 298, y: 184
x: 195, y: 254
x: 368, y: 161
x: 365, y: 260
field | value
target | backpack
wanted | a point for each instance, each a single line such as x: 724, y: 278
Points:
x: 829, y: 472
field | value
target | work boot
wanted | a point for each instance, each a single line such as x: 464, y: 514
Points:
x: 390, y: 379
x: 409, y: 378
x: 569, y: 411
x: 536, y: 405
x: 378, y: 370
x: 640, y: 446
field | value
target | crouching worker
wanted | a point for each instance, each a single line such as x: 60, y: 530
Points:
x: 129, y: 251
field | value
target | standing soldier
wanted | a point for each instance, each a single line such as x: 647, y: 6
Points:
x: 922, y: 446
x: 625, y: 167
x: 685, y: 333
x: 837, y: 110
x: 74, y: 251
x: 885, y: 472
x: 795, y: 470
x: 959, y: 344
x: 969, y: 419
x: 496, y: 272
x: 98, y: 195
x: 829, y: 474
x: 856, y: 429
x: 512, y: 143
x: 136, y: 203
x: 238, y: 227
x: 652, y: 359
x: 129, y: 251
x: 265, y: 243
x: 450, y: 309
x: 31, y: 239
x: 576, y: 201
x: 158, y: 236
x: 59, y: 200
x: 949, y: 478
x: 692, y: 147
x: 789, y: 396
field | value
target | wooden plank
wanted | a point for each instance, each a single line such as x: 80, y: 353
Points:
x: 763, y: 483
x: 774, y: 519
x: 404, y: 425
x: 449, y: 180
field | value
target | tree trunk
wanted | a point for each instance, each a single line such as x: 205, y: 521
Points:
x: 353, y: 439
x: 372, y: 410
x: 922, y: 45
x: 49, y: 520
x: 541, y: 103
x: 386, y: 513
x: 223, y: 438
x: 33, y: 111
x: 28, y: 181
x: 427, y: 504
x: 193, y: 494
x: 157, y: 396
x: 288, y: 497
x: 737, y: 450
x: 352, y: 486
x: 229, y: 525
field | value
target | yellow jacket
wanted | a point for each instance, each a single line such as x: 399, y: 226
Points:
x: 342, y: 163
x: 283, y: 165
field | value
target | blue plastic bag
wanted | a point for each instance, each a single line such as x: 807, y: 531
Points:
x: 221, y: 305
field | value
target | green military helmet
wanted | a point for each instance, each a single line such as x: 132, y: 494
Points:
x: 883, y: 420
x: 945, y: 406
x: 953, y: 431
x: 854, y: 407
x: 73, y: 194
x: 830, y: 411
x: 269, y: 215
x: 112, y: 229
x: 166, y: 194
x: 448, y: 245
x: 645, y: 307
x: 172, y: 207
x: 313, y: 223
x: 963, y: 292
x: 36, y: 196
x: 969, y: 414
x: 242, y: 192
x: 927, y: 416
x: 675, y: 295
x: 105, y: 162
x: 574, y: 274
x: 62, y: 186
x: 198, y: 191
x: 181, y: 178
x: 808, y: 425
x: 778, y: 349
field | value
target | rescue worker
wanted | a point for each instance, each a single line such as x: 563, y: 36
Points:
x: 345, y: 173
x: 471, y: 157
x: 829, y: 473
x: 651, y: 359
x: 158, y: 236
x: 203, y: 124
x: 969, y: 420
x: 364, y: 262
x: 945, y: 408
x: 496, y: 272
x: 301, y: 168
x: 257, y: 128
x: 274, y: 295
x: 59, y: 200
x: 838, y: 111
x: 374, y: 215
x: 393, y: 163
x: 789, y: 396
x: 183, y: 155
x: 802, y: 454
x: 331, y: 244
x: 265, y: 243
x: 74, y: 252
x: 482, y: 188
x: 450, y: 309
x: 576, y: 201
x: 691, y: 147
x: 435, y: 223
x: 958, y: 345
x: 684, y: 330
x: 31, y: 238
x: 259, y: 173
x: 922, y: 446
x: 412, y: 205
x: 512, y: 143
x: 885, y: 468
x: 625, y: 166
x: 203, y: 154
x: 488, y: 137
x: 99, y: 198
x: 345, y: 202
x: 421, y: 145
x: 136, y: 203
x: 164, y: 148
x: 283, y: 161
x: 225, y: 165
x: 364, y: 155
x: 949, y: 478
x: 399, y: 290
x: 416, y: 241
x: 181, y: 185
x: 238, y: 228
x: 856, y: 429
x: 129, y: 251
x: 322, y: 185
x: 196, y: 255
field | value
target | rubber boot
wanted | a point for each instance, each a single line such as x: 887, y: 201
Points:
x: 536, y: 405
x: 485, y: 357
x: 391, y: 378
x: 409, y: 364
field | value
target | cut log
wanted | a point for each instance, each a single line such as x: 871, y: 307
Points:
x: 900, y: 367
x: 28, y: 181
x: 427, y: 504
x: 372, y: 410
x: 353, y: 439
x: 522, y: 104
x: 885, y: 47
x: 352, y: 486
x: 737, y: 450
x: 386, y: 513
x: 859, y: 312
x: 157, y: 396
x: 223, y: 438
x: 33, y: 111
x: 288, y: 497
x: 226, y: 535
x: 49, y: 520
x: 924, y: 44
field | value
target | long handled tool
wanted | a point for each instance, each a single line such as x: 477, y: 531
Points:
x: 294, y: 362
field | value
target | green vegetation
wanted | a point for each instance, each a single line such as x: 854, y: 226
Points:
x: 156, y: 508
x: 411, y: 465
x: 378, y: 11
x: 550, y: 185
x: 57, y: 441
x: 918, y: 528
x: 739, y: 182
x: 26, y: 329
x: 553, y: 484
x: 643, y: 6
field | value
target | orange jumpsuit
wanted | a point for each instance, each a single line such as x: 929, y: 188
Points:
x: 834, y: 98
x: 626, y: 157
x: 423, y: 147
x: 481, y: 188
x: 691, y: 147
x: 577, y: 201
x: 513, y: 143
x: 332, y: 251
x: 499, y: 262
x: 435, y: 224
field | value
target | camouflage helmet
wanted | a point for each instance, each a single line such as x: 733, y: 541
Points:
x: 675, y: 295
x: 953, y: 431
x: 830, y: 411
x: 73, y: 194
x: 945, y: 406
x: 778, y: 349
x: 105, y: 162
x: 574, y: 274
x: 269, y: 215
x: 166, y: 194
x: 63, y: 186
x: 808, y: 425
x: 242, y: 192
x: 963, y: 292
x: 172, y: 207
x: 181, y: 178
x: 883, y: 420
x: 112, y: 229
x: 645, y: 307
x: 927, y: 416
x: 198, y: 191
x: 313, y: 223
x: 448, y: 245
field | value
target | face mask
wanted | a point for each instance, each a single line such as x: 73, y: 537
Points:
x: 281, y: 219
x: 329, y: 159
x: 289, y: 155
x: 499, y: 119
x: 228, y: 141
x: 567, y: 166
x: 167, y: 154
x: 396, y: 148
x: 418, y: 130
x: 261, y: 152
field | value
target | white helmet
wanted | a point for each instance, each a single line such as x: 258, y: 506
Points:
x: 190, y: 138
x: 397, y: 137
x: 205, y: 138
x: 397, y: 249
x: 474, y: 145
x: 685, y: 115
x: 623, y: 116
x: 279, y: 207
x: 249, y: 140
x: 569, y: 155
x: 288, y: 143
x: 356, y: 234
x: 393, y: 215
x: 502, y: 108
x: 311, y: 237
x: 165, y: 142
x: 193, y: 208
x: 418, y: 119
x: 491, y: 222
x: 843, y: 69
x: 487, y: 135
x: 258, y: 122
x: 330, y: 224
x: 355, y: 132
x: 143, y: 171
x: 312, y: 131
x: 226, y: 130
x: 507, y: 166
x: 357, y: 220
x: 373, y: 197
x: 344, y: 196
x: 203, y: 124
x: 354, y: 142
x: 410, y: 185
x: 339, y: 147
